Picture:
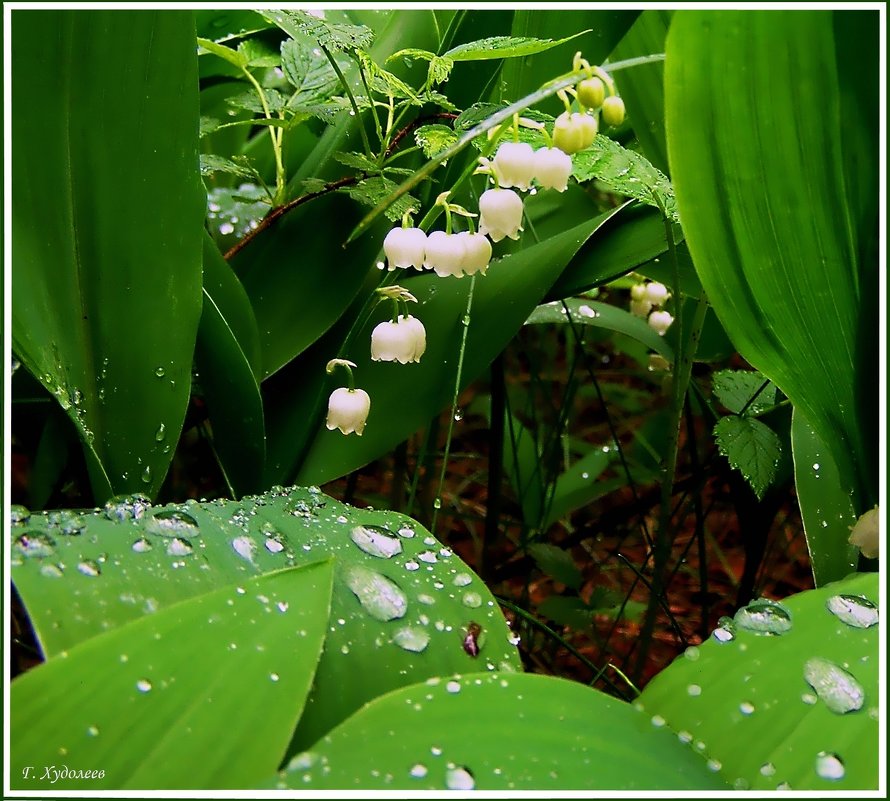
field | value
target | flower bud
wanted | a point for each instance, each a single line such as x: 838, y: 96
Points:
x: 444, y: 253
x: 613, y: 110
x: 404, y: 247
x: 500, y: 214
x: 865, y: 534
x: 656, y: 293
x: 403, y: 341
x: 566, y: 136
x: 348, y: 410
x: 591, y: 93
x: 588, y: 127
x: 552, y: 168
x: 640, y: 308
x: 660, y: 321
x: 638, y: 292
x: 514, y: 164
x: 477, y: 253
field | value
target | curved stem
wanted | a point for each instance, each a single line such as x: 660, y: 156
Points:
x: 355, y: 109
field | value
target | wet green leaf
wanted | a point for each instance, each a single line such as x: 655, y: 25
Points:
x: 744, y: 389
x: 751, y: 447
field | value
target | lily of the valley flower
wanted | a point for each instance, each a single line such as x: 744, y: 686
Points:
x: 405, y: 247
x: 574, y: 132
x: 348, y: 410
x: 865, y: 534
x: 656, y: 293
x: 552, y: 168
x: 640, y: 305
x: 445, y: 253
x: 660, y: 321
x: 402, y: 341
x: 514, y: 164
x: 500, y: 214
x: 477, y: 254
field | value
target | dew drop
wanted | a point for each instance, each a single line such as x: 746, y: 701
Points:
x: 767, y: 769
x: 143, y: 685
x: 161, y: 433
x: 121, y: 508
x: 458, y: 412
x: 412, y: 565
x: 746, y: 708
x: 714, y: 765
x: 694, y: 690
x: 453, y: 687
x: 725, y: 631
x: 427, y: 556
x: 93, y: 731
x: 376, y: 541
x: 418, y: 771
x: 160, y: 372
x: 51, y: 571
x: 472, y: 600
x: 274, y: 545
x: 35, y: 544
x: 692, y: 653
x: 379, y: 596
x: 70, y: 525
x: 146, y: 474
x: 179, y: 547
x: 407, y: 532
x: 837, y: 688
x: 658, y: 721
x: 462, y: 579
x: 459, y: 779
x: 19, y: 515
x: 437, y: 503
x: 89, y: 568
x: 412, y: 638
x: 274, y: 677
x: 142, y: 545
x: 244, y: 546
x: 829, y: 766
x: 172, y: 523
x: 854, y: 610
x: 764, y: 617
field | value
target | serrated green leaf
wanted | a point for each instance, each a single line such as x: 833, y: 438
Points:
x: 751, y: 447
x: 211, y: 163
x: 504, y: 47
x: 567, y: 610
x: 249, y: 101
x: 207, y: 125
x: 333, y: 36
x: 358, y: 161
x: 373, y: 190
x: 625, y: 172
x: 472, y: 116
x: 232, y: 56
x: 735, y: 389
x: 258, y: 54
x: 556, y: 563
x: 385, y: 82
x: 432, y: 139
x: 311, y: 75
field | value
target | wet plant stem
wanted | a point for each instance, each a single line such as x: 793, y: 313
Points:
x: 275, y: 136
x: 355, y: 110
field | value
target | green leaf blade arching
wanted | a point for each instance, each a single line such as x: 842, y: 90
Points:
x: 757, y: 158
x: 107, y: 224
x: 163, y: 686
x: 771, y: 710
x: 497, y: 732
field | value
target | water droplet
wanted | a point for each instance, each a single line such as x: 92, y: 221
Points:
x: 837, y: 688
x: 127, y: 507
x: 458, y: 414
x: 427, y: 556
x: 437, y: 503
x: 19, y: 515
x: 725, y: 631
x: 93, y: 731
x: 160, y: 372
x: 764, y: 617
x: 854, y: 610
x: 172, y: 523
x: 35, y: 544
x: 453, y: 686
x: 462, y: 579
x: 767, y: 769
x: 418, y: 771
x: 658, y: 721
x: 244, y: 546
x: 684, y: 737
x: 142, y: 545
x: 376, y: 541
x: 809, y: 698
x: 143, y: 685
x: 694, y: 690
x: 829, y: 766
x: 379, y: 596
x: 783, y: 786
x: 407, y: 532
x: 69, y: 524
x: 179, y: 547
x: 89, y: 568
x: 714, y: 765
x: 146, y: 474
x: 274, y: 677
x: 412, y: 565
x: 274, y: 545
x: 472, y: 600
x: 459, y: 779
x: 746, y: 708
x: 412, y: 638
x: 161, y: 433
x: 426, y: 599
x: 51, y: 571
x: 692, y: 653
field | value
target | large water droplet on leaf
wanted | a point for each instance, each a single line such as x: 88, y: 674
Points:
x: 412, y: 638
x: 418, y: 771
x: 379, y: 596
x: 837, y: 688
x: 127, y: 507
x: 829, y: 766
x: 459, y: 779
x: 725, y: 631
x: 142, y: 545
x: 376, y: 541
x: 172, y: 523
x: 70, y: 524
x: 35, y: 544
x: 179, y: 547
x: 89, y: 568
x: 244, y: 546
x: 764, y: 617
x: 19, y: 515
x: 854, y: 610
x: 51, y: 571
x: 143, y: 685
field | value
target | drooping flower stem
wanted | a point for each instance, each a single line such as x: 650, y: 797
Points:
x: 347, y: 365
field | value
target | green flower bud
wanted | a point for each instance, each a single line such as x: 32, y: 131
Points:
x: 591, y: 93
x: 613, y: 110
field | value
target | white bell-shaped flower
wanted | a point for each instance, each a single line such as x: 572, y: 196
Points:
x: 405, y: 247
x: 403, y: 341
x: 444, y: 253
x: 638, y: 292
x: 640, y: 307
x: 656, y: 293
x: 477, y: 254
x: 660, y: 321
x: 865, y: 534
x: 514, y: 164
x: 500, y: 214
x: 348, y: 410
x: 553, y: 168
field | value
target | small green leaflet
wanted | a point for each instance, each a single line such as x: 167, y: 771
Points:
x: 556, y: 563
x: 625, y: 172
x: 312, y: 77
x: 226, y: 53
x: 504, y: 47
x: 433, y: 139
x: 735, y: 388
x: 358, y: 161
x: 258, y: 54
x: 440, y: 66
x: 332, y: 36
x: 373, y: 190
x: 751, y: 447
x: 385, y: 82
x: 211, y: 163
x: 250, y: 102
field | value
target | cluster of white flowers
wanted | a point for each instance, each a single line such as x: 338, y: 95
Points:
x: 645, y: 297
x: 515, y: 166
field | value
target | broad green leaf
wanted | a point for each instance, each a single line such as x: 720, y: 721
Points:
x: 556, y: 563
x: 433, y: 139
x: 498, y: 732
x: 311, y: 75
x: 106, y: 304
x: 744, y: 701
x: 234, y: 57
x: 404, y: 599
x: 773, y: 237
x: 625, y: 172
x: 744, y: 389
x: 203, y: 694
x: 332, y: 35
x: 578, y: 485
x: 228, y: 382
x: 502, y: 300
x: 751, y: 447
x: 642, y: 88
x: 504, y: 47
x: 825, y: 504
